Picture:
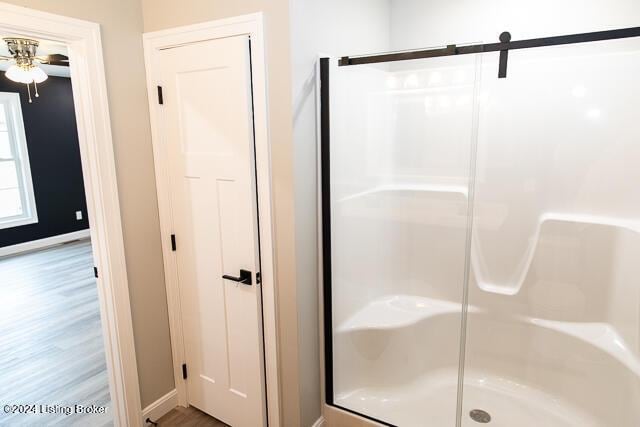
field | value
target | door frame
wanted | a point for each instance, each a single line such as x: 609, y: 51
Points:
x: 251, y: 25
x: 91, y: 106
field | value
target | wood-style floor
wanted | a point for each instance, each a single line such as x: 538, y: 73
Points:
x: 51, y: 346
x: 188, y: 417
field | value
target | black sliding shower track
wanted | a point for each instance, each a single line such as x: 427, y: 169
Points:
x: 504, y: 46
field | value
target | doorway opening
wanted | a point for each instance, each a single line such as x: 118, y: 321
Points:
x: 53, y: 355
x: 104, y: 255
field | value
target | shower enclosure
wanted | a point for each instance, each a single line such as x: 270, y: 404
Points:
x: 481, y: 235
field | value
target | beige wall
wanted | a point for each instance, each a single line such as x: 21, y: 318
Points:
x: 121, y: 23
x: 162, y: 14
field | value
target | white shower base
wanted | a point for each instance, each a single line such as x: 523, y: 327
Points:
x: 422, y: 403
x: 523, y: 371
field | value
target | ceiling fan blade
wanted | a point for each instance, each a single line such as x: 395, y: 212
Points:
x: 58, y: 57
x: 59, y: 63
x: 55, y: 59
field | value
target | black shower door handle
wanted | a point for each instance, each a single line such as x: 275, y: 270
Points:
x: 245, y: 277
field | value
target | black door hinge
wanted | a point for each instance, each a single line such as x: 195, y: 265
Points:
x: 95, y: 272
x: 258, y: 278
x: 160, y: 97
x: 173, y: 242
x: 184, y: 371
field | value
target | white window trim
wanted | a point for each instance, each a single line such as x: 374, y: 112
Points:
x: 18, y: 142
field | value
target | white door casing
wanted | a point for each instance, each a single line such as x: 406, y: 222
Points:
x: 208, y: 123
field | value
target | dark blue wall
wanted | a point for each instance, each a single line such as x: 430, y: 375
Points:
x: 54, y: 156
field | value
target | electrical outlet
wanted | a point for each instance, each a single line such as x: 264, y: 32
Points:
x: 79, y: 215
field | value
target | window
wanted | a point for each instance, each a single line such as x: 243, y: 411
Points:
x: 17, y: 204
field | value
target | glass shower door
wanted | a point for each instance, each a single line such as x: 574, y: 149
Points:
x: 396, y: 180
x: 554, y: 295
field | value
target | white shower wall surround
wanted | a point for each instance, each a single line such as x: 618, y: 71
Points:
x: 552, y: 331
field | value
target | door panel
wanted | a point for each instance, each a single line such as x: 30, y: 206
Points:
x: 552, y: 331
x: 208, y: 121
x: 398, y: 168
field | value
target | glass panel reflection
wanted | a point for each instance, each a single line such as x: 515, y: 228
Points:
x: 401, y: 140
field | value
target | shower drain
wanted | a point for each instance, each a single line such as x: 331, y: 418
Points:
x: 480, y: 416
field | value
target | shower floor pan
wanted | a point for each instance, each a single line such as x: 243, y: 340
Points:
x: 521, y: 371
x: 428, y: 402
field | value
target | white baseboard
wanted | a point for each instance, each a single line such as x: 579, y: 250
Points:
x: 43, y: 243
x: 160, y: 407
x: 319, y: 422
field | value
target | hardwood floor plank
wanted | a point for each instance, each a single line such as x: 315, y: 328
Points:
x: 188, y: 417
x: 51, y: 345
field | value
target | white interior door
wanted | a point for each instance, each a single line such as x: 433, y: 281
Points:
x: 208, y: 121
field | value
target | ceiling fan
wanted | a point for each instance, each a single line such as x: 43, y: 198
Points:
x: 26, y: 63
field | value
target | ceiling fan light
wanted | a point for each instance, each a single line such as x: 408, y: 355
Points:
x: 38, y: 75
x: 19, y: 75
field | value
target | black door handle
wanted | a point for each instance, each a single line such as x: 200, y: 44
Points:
x: 245, y: 277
